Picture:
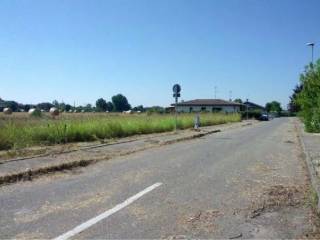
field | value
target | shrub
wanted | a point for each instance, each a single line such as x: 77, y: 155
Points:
x: 309, y: 97
x: 34, y: 112
x: 256, y: 114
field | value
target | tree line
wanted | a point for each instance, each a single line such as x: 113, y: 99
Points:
x: 270, y: 107
x: 117, y: 103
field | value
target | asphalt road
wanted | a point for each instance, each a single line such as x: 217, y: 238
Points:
x: 242, y: 183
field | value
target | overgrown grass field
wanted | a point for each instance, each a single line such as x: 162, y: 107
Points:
x: 20, y: 130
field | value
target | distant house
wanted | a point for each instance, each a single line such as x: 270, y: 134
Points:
x: 253, y: 107
x: 208, y: 105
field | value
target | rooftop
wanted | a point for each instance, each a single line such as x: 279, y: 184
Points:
x: 208, y: 102
x: 253, y: 105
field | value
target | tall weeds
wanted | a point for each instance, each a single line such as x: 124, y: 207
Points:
x: 20, y: 133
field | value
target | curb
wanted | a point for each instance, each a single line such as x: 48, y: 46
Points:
x: 94, y: 146
x: 67, y: 151
x: 190, y: 137
x: 315, y: 182
x: 29, y: 174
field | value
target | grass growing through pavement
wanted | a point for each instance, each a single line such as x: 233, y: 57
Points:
x: 23, y: 131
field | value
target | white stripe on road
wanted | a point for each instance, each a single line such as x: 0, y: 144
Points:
x: 106, y: 214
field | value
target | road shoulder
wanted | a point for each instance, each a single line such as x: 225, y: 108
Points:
x: 310, y: 143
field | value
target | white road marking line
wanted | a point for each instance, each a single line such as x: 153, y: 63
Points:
x: 106, y: 214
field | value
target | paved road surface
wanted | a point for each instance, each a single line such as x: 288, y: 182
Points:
x: 247, y: 183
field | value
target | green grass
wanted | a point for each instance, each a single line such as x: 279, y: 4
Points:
x: 24, y: 131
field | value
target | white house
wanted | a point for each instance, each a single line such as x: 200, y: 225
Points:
x: 208, y: 105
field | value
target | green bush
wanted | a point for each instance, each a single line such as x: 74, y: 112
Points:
x: 36, y: 113
x: 256, y: 114
x: 309, y: 97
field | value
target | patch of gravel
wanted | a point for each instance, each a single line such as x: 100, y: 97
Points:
x: 276, y: 197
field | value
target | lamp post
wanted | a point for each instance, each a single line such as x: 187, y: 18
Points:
x: 312, y: 46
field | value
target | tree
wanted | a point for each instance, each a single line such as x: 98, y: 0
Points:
x: 238, y: 100
x: 120, y: 103
x: 88, y: 108
x: 21, y: 107
x: 79, y: 108
x: 45, y: 106
x: 294, y: 106
x: 27, y: 107
x: 242, y: 107
x: 12, y: 104
x: 62, y: 106
x: 309, y: 97
x: 109, y: 106
x: 1, y: 105
x: 274, y: 106
x: 138, y: 108
x: 68, y: 107
x: 55, y: 103
x: 101, y: 105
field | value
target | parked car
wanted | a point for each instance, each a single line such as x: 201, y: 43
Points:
x: 264, y: 117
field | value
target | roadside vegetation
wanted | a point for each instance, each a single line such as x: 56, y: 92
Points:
x: 20, y: 130
x: 272, y: 107
x: 306, y: 98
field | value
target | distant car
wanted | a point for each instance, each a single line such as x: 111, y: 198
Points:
x: 264, y: 117
x: 271, y: 116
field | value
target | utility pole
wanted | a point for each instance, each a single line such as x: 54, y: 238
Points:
x: 215, y: 92
x: 230, y: 95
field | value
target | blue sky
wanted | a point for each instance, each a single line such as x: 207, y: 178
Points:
x: 76, y: 50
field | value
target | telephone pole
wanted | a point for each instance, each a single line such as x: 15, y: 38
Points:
x: 215, y: 92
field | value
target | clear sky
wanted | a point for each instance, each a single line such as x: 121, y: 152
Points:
x: 80, y: 50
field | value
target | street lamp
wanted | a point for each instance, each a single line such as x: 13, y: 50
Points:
x: 312, y: 46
